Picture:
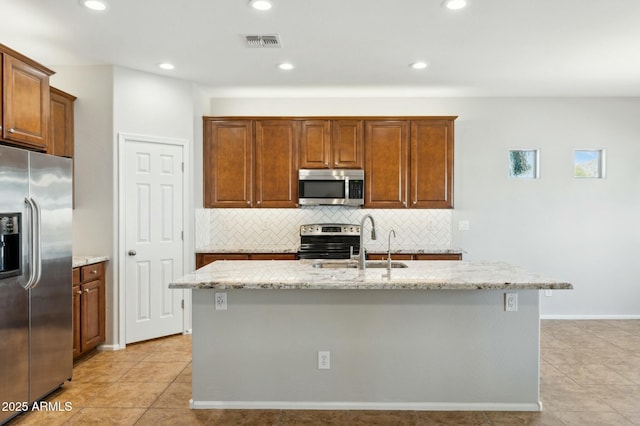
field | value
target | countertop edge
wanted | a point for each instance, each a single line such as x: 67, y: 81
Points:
x: 421, y: 275
x: 294, y: 250
x: 372, y: 286
x: 79, y: 261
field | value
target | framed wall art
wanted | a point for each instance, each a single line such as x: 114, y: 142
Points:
x: 524, y: 163
x: 589, y: 163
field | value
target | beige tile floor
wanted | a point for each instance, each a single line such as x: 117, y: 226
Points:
x: 590, y: 375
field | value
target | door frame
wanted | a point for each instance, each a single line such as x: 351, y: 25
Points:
x: 119, y: 311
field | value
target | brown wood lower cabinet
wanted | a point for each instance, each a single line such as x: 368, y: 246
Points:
x: 415, y: 256
x: 88, y: 308
x: 203, y: 259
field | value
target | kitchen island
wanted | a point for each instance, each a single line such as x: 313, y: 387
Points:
x: 431, y: 336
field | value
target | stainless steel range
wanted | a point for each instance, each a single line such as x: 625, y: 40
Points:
x: 329, y: 241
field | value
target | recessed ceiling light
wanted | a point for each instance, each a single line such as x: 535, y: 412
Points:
x: 94, y: 5
x: 419, y: 65
x: 261, y: 4
x: 166, y: 66
x: 286, y: 66
x: 454, y: 4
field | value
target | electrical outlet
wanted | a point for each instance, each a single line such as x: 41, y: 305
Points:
x: 463, y: 225
x: 221, y: 301
x: 324, y: 360
x: 548, y: 293
x: 511, y: 302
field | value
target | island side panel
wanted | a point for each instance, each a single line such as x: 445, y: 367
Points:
x: 436, y: 349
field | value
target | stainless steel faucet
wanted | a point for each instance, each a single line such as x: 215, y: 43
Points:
x: 389, y: 248
x: 362, y: 258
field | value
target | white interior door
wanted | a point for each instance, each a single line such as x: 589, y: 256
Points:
x: 153, y: 184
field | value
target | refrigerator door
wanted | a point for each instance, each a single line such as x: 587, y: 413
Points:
x: 51, y: 299
x: 14, y: 299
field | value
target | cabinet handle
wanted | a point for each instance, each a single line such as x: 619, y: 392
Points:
x: 248, y: 203
x: 259, y: 202
x: 415, y: 202
x: 12, y: 130
x: 79, y: 291
x: 132, y: 253
x: 95, y: 271
x: 86, y: 290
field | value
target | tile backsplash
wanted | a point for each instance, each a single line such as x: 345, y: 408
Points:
x: 275, y: 229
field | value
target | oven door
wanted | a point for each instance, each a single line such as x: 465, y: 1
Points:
x: 325, y: 247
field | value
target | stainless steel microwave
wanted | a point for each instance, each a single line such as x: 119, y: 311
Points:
x: 318, y: 187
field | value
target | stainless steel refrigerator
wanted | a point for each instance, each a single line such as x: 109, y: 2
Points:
x: 35, y: 276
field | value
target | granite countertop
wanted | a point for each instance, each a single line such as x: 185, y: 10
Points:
x: 274, y: 249
x: 79, y: 261
x: 250, y: 249
x: 419, y: 275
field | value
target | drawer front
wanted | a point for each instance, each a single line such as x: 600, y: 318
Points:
x: 75, y: 276
x: 91, y: 272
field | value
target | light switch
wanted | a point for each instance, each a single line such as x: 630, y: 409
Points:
x: 463, y: 225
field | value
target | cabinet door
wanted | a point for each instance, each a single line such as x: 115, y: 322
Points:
x: 26, y: 104
x: 77, y: 323
x: 92, y: 329
x: 205, y: 259
x: 315, y: 144
x: 438, y: 256
x: 432, y: 164
x: 386, y: 163
x: 347, y: 144
x: 276, y: 165
x: 228, y: 158
x: 61, y: 124
x: 272, y: 256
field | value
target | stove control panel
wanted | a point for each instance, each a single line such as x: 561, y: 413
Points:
x: 330, y: 229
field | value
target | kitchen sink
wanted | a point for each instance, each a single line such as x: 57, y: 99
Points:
x: 370, y: 264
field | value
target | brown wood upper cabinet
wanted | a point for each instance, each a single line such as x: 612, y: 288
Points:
x: 326, y: 144
x: 25, y: 101
x: 61, y: 124
x: 228, y: 163
x: 276, y: 164
x: 431, y: 179
x: 386, y: 163
x: 254, y: 161
x: 250, y: 163
x: 409, y: 163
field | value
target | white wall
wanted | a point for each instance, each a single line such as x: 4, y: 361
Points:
x: 113, y: 100
x: 93, y: 152
x: 578, y: 230
x: 93, y: 219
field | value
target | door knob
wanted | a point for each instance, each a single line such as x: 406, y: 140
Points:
x: 132, y: 253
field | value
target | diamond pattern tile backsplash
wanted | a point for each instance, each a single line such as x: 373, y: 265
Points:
x: 278, y: 229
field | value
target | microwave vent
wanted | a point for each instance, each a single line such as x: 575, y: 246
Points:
x: 263, y: 41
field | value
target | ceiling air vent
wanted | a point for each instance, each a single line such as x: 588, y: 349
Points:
x: 261, y: 41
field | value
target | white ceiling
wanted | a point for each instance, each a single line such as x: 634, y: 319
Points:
x: 348, y: 47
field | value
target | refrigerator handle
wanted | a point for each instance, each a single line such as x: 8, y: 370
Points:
x: 38, y: 239
x: 34, y: 249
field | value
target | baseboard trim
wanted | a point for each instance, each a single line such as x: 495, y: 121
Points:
x: 334, y: 405
x: 589, y: 317
x: 109, y: 347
